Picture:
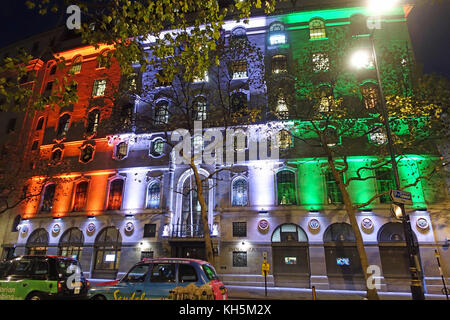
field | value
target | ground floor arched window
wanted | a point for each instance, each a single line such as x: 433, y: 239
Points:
x: 37, y: 243
x: 107, y: 253
x: 290, y: 256
x: 394, y: 255
x: 71, y: 243
x: 342, y: 260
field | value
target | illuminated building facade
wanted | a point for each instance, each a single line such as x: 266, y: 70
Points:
x: 124, y: 199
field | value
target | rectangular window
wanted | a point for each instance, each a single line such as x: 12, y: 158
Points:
x: 240, y: 229
x: 99, y: 88
x: 205, y: 78
x: 239, y: 69
x: 320, y: 61
x: 150, y: 230
x: 334, y: 193
x: 11, y: 125
x: 385, y: 182
x: 240, y: 259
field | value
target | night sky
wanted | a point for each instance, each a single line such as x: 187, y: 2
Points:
x: 429, y: 27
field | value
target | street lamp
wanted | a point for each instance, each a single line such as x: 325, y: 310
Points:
x: 364, y: 59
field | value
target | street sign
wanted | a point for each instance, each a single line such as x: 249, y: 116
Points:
x: 401, y: 196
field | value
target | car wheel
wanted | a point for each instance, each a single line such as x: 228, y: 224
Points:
x: 98, y: 297
x: 35, y: 296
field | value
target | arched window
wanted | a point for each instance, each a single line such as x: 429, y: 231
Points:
x: 325, y: 99
x: 16, y: 223
x: 286, y: 190
x: 279, y: 64
x: 200, y: 109
x: 239, y: 33
x: 240, y: 192
x: 121, y: 150
x: 40, y: 124
x: 107, y: 253
x: 48, y: 197
x: 153, y: 195
x: 63, y: 125
x: 317, y: 29
x: 369, y: 93
x: 92, y: 122
x: 393, y: 253
x: 277, y: 34
x: 79, y: 203
x: 103, y: 59
x: 284, y: 139
x: 71, y: 243
x: 191, y: 223
x: 282, y: 110
x: 115, y: 194
x: 76, y: 65
x: 161, y: 112
x: 37, y: 243
x: 341, y: 257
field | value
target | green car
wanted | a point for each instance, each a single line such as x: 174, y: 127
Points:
x: 42, y: 277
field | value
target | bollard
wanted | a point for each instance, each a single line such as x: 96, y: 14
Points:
x: 314, y: 293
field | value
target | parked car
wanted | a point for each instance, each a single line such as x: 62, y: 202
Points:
x: 162, y: 279
x: 42, y: 277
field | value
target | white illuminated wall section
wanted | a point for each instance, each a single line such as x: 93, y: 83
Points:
x: 135, y: 191
x: 261, y: 182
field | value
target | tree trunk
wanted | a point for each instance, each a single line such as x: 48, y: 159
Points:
x: 371, y: 293
x: 204, y: 215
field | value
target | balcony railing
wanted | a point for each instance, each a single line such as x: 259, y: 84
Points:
x: 183, y: 230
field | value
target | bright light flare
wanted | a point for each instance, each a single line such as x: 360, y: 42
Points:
x: 379, y: 7
x: 361, y: 59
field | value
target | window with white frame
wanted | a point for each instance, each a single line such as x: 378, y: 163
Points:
x: 121, y: 150
x: 277, y: 34
x: 99, y: 88
x: 161, y: 112
x: 153, y: 195
x: 240, y: 192
x: 157, y: 147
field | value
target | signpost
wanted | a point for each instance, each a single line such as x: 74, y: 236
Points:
x: 399, y: 196
x: 265, y: 270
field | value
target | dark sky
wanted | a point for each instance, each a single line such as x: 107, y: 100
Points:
x: 429, y: 27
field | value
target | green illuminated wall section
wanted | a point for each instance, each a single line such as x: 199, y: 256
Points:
x: 311, y: 187
x: 408, y: 172
x: 361, y: 191
x: 312, y: 190
x: 330, y: 14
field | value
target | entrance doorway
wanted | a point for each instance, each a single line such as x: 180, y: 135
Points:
x: 188, y: 249
x: 290, y: 255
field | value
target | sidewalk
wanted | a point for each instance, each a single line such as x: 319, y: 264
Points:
x: 279, y: 293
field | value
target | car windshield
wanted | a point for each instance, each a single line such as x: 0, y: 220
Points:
x: 67, y: 267
x: 210, y: 272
